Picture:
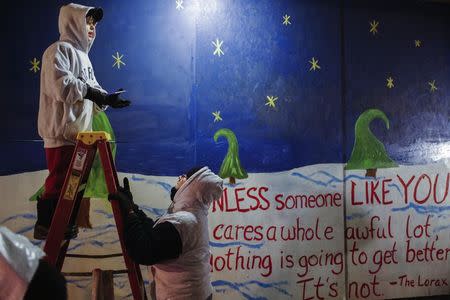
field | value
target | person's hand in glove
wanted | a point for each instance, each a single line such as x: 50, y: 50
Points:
x: 115, y: 101
x: 100, y: 98
x: 125, y: 198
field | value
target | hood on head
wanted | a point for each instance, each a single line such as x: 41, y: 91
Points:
x: 72, y: 26
x: 199, y: 191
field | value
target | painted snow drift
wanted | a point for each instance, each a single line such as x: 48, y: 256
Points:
x: 282, y: 235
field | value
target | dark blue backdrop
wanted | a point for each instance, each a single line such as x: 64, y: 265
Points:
x: 175, y: 81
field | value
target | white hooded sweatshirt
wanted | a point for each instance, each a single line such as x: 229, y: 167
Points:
x: 66, y: 72
x: 188, y: 276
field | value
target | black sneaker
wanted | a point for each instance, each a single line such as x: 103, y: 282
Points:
x: 41, y: 232
x: 45, y: 211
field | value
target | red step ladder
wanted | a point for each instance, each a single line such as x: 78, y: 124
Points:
x: 72, y: 194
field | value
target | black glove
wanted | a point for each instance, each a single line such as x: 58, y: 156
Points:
x: 126, y: 189
x: 114, y: 100
x: 125, y: 197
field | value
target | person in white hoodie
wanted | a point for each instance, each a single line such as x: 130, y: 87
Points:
x: 177, y: 244
x: 69, y: 96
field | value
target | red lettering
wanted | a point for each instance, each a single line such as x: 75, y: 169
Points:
x: 264, y: 199
x: 405, y: 186
x: 446, y: 189
x: 280, y: 202
x: 239, y: 199
x: 328, y: 230
x: 353, y: 194
x: 215, y: 235
x: 249, y: 195
x: 429, y: 189
x: 373, y: 194
x: 385, y: 191
x: 258, y: 233
x: 220, y: 202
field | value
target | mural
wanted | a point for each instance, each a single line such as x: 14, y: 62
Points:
x: 368, y: 152
x: 339, y: 186
x: 231, y: 165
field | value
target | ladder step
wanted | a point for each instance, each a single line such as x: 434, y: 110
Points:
x: 89, y: 274
x: 94, y: 255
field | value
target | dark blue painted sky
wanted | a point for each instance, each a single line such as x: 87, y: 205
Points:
x: 175, y: 81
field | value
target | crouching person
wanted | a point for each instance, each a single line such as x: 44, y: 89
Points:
x: 177, y: 244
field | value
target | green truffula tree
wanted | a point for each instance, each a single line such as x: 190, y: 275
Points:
x: 231, y: 165
x: 368, y: 152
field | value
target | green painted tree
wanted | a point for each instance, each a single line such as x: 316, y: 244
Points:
x: 368, y: 152
x: 231, y: 165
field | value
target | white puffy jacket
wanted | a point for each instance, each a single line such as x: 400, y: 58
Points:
x: 188, y: 276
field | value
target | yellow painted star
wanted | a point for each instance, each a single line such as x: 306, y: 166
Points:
x: 179, y: 4
x: 286, y: 20
x: 218, y: 44
x: 373, y: 27
x: 35, y: 65
x: 433, y: 86
x: 271, y: 100
x: 118, y: 60
x: 314, y: 64
x: 418, y: 43
x: 217, y: 117
x: 390, y: 82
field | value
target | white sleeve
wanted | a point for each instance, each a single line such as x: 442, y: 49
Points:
x: 59, y: 81
x: 97, y: 86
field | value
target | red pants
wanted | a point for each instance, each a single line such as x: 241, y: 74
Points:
x: 58, y: 162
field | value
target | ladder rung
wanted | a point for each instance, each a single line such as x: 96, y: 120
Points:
x: 89, y: 274
x: 94, y: 255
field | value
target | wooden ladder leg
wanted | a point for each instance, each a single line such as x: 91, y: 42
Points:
x: 102, y: 285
